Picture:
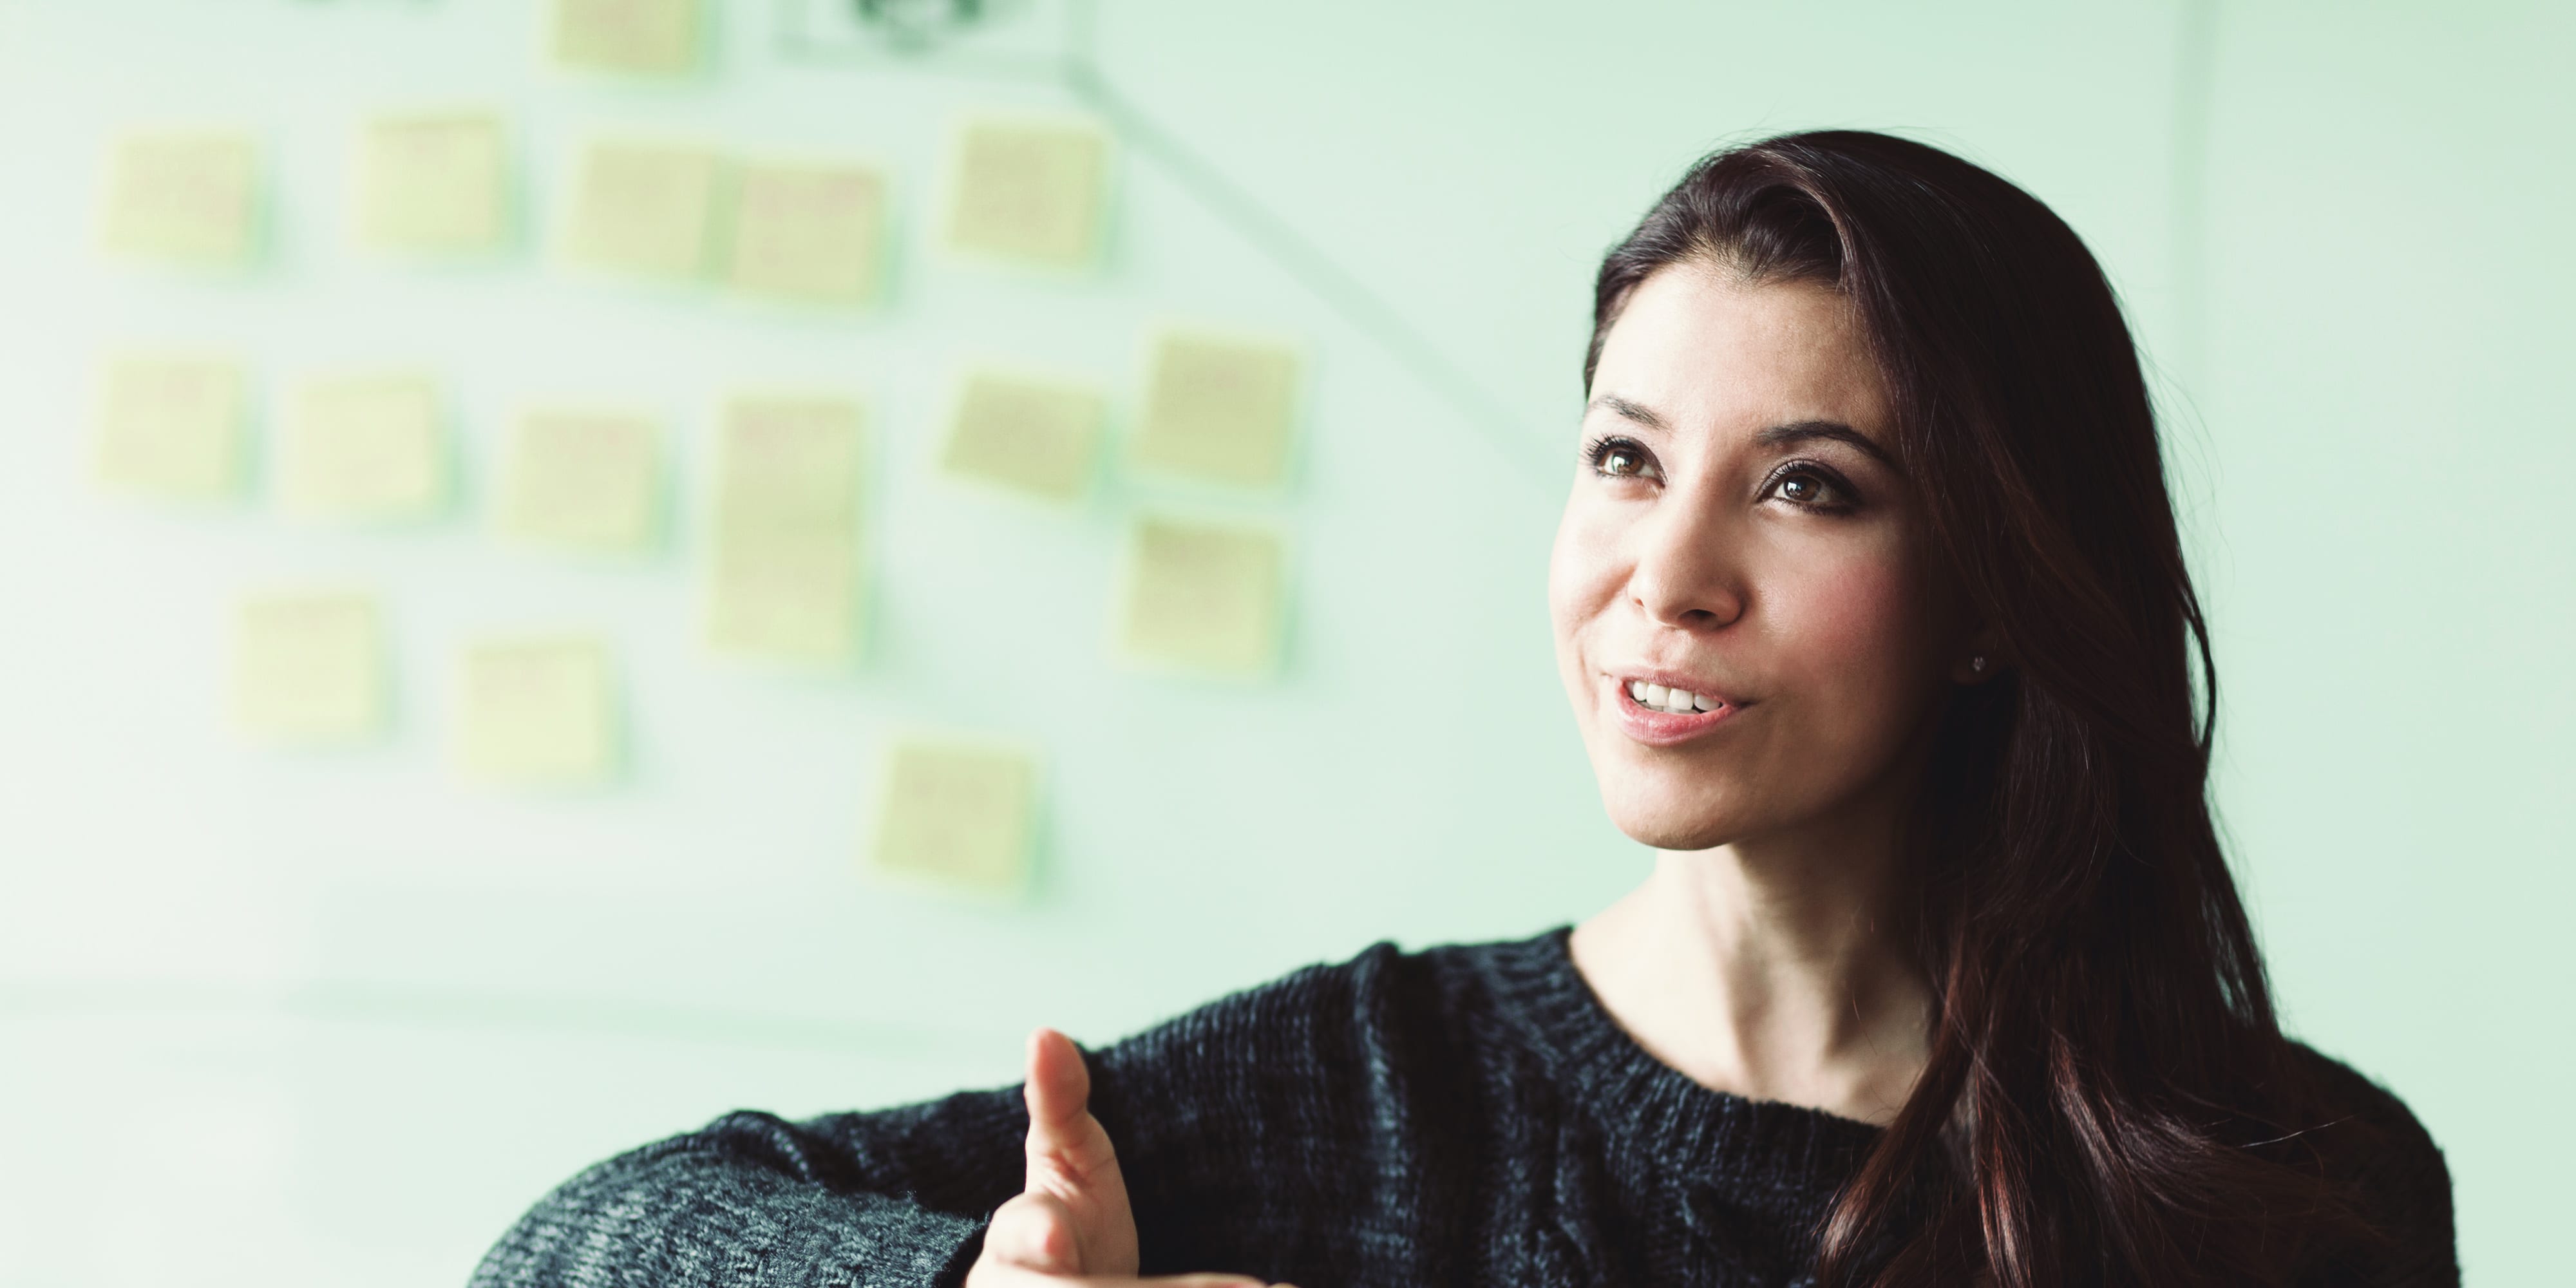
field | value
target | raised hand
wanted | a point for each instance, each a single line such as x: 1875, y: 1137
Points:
x: 1070, y: 1224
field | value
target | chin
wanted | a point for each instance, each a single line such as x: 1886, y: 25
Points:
x: 1656, y: 816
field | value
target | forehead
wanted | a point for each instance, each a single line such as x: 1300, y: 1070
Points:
x: 1703, y: 347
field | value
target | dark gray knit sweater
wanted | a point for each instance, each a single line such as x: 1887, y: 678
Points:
x: 1468, y: 1114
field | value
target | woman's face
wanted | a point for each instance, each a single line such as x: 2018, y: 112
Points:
x: 1738, y: 532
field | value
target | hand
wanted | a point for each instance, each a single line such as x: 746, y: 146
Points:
x: 1070, y: 1224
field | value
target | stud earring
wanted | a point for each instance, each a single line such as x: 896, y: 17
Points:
x: 1977, y: 663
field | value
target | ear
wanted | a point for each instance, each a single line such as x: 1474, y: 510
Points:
x: 1986, y: 642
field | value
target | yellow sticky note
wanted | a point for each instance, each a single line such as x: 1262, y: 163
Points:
x: 957, y: 811
x: 1025, y: 432
x: 537, y: 712
x: 1218, y: 409
x: 1030, y: 192
x: 170, y: 427
x: 784, y: 550
x: 807, y: 232
x: 308, y: 667
x: 1203, y: 597
x: 434, y: 184
x: 187, y: 198
x: 639, y: 37
x: 643, y: 208
x: 363, y: 448
x: 583, y: 479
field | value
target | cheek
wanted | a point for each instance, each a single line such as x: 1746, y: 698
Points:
x: 1581, y: 574
x: 1856, y: 633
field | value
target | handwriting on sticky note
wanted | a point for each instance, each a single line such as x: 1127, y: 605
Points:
x: 308, y: 667
x: 538, y: 711
x: 1026, y: 432
x: 170, y: 427
x: 784, y: 556
x: 1031, y: 192
x: 186, y: 198
x: 645, y: 209
x: 637, y: 37
x: 959, y: 812
x: 1203, y: 597
x: 585, y: 479
x: 1219, y: 410
x: 434, y: 184
x: 807, y: 232
x: 363, y: 448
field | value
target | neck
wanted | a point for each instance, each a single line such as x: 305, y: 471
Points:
x: 1775, y: 969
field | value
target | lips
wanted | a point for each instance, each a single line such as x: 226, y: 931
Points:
x: 1662, y: 708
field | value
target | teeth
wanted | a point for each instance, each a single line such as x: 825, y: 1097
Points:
x: 1673, y: 701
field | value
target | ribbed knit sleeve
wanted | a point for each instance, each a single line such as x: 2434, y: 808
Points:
x: 896, y: 1197
x: 1281, y: 1127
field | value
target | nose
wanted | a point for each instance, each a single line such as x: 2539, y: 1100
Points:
x: 1685, y: 574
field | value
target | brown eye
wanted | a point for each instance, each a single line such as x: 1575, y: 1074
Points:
x: 1620, y: 458
x: 1811, y: 488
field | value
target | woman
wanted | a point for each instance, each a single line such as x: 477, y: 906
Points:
x: 1871, y: 608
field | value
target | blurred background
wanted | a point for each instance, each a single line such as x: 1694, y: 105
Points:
x: 435, y: 755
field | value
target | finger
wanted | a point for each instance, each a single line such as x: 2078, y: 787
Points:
x: 1064, y: 1139
x: 1059, y: 1087
x: 1034, y: 1231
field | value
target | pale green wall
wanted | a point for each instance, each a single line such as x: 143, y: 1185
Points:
x: 288, y: 1020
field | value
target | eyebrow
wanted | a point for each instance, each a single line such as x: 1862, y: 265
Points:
x: 1798, y: 431
x: 1637, y: 412
x: 1832, y: 430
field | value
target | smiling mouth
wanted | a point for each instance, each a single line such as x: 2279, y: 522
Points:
x: 1678, y: 702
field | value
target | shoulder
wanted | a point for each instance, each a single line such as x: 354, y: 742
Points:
x: 2363, y: 1123
x: 1377, y: 992
x: 1383, y: 1023
x: 2394, y: 1171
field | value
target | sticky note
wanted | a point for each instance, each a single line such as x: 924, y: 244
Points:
x: 1034, y: 434
x: 961, y: 812
x: 363, y: 448
x: 643, y: 208
x: 434, y: 184
x: 185, y: 198
x: 308, y: 667
x: 637, y: 37
x: 784, y: 546
x: 1203, y: 597
x: 1029, y: 192
x: 1218, y: 410
x: 171, y: 427
x: 812, y: 233
x: 583, y: 479
x: 536, y: 712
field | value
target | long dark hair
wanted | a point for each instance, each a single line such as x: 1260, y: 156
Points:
x: 2109, y: 1098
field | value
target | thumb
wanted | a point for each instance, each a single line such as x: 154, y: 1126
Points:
x: 1034, y: 1231
x: 1067, y: 1149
